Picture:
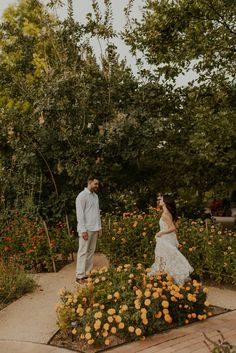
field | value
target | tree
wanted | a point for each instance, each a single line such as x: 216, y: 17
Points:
x: 56, y: 100
x: 174, y: 37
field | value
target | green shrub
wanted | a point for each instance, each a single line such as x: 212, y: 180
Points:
x: 125, y: 302
x: 14, y: 282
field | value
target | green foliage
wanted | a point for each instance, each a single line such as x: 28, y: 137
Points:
x: 65, y: 114
x: 199, y: 136
x: 125, y: 302
x: 14, y: 282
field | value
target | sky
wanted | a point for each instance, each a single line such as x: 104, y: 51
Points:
x: 82, y: 7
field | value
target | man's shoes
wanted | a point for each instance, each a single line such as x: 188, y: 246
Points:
x: 81, y: 280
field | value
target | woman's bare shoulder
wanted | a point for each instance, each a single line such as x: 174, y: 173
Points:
x: 166, y: 216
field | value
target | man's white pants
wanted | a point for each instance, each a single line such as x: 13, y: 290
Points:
x: 85, y: 254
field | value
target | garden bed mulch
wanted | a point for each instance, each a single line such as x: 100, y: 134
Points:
x: 59, y: 340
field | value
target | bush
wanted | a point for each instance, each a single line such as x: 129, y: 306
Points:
x: 209, y: 249
x: 125, y: 302
x: 14, y: 282
x: 27, y: 241
x: 130, y: 239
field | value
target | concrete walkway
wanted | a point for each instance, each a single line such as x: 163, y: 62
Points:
x: 28, y: 324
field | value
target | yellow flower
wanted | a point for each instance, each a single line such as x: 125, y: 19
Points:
x: 138, y: 293
x: 113, y: 330
x: 80, y: 311
x: 97, y: 324
x: 124, y: 307
x: 168, y: 319
x: 87, y: 328
x: 110, y: 319
x: 74, y: 331
x: 194, y: 315
x: 131, y: 329
x: 107, y: 342
x: 173, y: 299
x: 191, y: 297
x: 98, y: 315
x: 109, y: 296
x: 106, y: 326
x: 147, y: 302
x: 206, y: 303
x: 88, y: 336
x: 105, y: 334
x: 147, y: 293
x: 91, y: 341
x: 155, y: 295
x: 165, y: 304
x: 144, y: 310
x: 111, y: 311
x: 121, y: 325
x: 138, y: 331
x: 165, y: 311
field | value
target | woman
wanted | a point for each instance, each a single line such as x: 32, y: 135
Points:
x: 167, y: 256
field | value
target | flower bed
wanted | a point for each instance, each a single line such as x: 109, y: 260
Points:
x: 209, y: 249
x: 33, y: 245
x: 125, y: 303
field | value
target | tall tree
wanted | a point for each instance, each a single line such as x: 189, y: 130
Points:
x: 175, y: 37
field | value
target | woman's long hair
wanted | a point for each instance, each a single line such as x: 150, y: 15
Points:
x: 171, y: 206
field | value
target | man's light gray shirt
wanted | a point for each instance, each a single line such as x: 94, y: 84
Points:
x: 87, y: 211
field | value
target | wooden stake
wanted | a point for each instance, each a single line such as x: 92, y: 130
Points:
x: 50, y: 246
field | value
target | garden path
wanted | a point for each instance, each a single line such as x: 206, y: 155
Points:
x: 27, y: 324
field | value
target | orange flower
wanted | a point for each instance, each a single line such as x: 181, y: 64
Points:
x: 158, y: 315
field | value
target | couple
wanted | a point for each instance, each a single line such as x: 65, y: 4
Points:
x: 167, y: 256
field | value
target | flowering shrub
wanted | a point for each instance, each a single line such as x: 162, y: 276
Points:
x: 14, y: 282
x: 125, y: 302
x: 131, y: 238
x: 26, y: 240
x: 209, y: 249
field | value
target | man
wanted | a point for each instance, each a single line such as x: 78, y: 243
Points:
x: 89, y: 227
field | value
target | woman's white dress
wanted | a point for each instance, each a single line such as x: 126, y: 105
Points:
x: 169, y: 259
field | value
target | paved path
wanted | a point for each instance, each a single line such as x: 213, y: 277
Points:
x: 27, y: 324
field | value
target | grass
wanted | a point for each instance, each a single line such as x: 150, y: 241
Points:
x: 14, y: 283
